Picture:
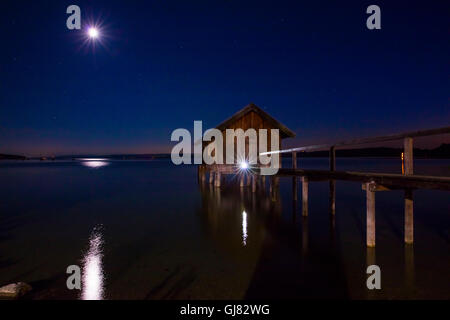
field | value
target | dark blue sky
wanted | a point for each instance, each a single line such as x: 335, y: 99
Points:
x: 311, y: 64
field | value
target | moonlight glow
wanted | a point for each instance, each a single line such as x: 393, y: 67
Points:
x: 93, y: 33
x: 93, y: 287
x: 94, y: 36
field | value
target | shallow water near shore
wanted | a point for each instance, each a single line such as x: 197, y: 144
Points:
x: 149, y: 230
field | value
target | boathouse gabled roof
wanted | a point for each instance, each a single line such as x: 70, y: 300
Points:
x: 284, y: 131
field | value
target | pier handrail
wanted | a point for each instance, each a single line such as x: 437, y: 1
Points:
x: 398, y: 136
x: 371, y: 182
x: 392, y: 180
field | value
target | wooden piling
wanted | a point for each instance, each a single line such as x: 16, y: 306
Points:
x: 294, y: 188
x: 305, y: 236
x: 275, y: 184
x: 203, y: 175
x: 211, y: 177
x: 294, y: 160
x: 371, y: 259
x: 305, y: 196
x: 241, y: 181
x: 253, y: 183
x: 332, y: 195
x: 332, y: 230
x: 218, y: 179
x: 409, y: 204
x: 294, y: 210
x: 370, y: 222
x: 332, y: 158
x: 271, y: 187
x: 276, y: 188
x: 294, y: 179
x: 409, y: 217
x: 409, y: 270
x: 408, y: 155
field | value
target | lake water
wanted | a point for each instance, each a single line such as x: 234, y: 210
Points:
x: 148, y: 230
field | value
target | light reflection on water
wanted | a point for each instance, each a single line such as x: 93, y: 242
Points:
x: 313, y: 252
x: 94, y: 163
x: 244, y: 228
x: 93, y: 288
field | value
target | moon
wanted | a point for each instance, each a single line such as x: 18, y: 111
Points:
x: 93, y: 33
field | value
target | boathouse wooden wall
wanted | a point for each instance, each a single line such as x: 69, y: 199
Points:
x: 255, y: 121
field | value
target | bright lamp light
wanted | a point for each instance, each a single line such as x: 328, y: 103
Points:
x: 244, y: 165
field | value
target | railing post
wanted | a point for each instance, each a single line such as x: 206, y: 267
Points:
x: 409, y: 202
x: 370, y: 220
x: 332, y: 196
x: 408, y: 155
x: 332, y: 158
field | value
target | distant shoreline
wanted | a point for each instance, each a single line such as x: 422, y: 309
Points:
x: 12, y: 157
x: 441, y: 152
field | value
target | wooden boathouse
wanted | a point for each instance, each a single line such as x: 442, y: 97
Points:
x: 253, y: 117
x: 250, y: 117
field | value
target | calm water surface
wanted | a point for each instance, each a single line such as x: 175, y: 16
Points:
x: 148, y: 230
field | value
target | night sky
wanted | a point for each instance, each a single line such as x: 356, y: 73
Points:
x: 313, y: 65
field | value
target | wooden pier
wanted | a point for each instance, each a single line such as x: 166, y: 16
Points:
x: 254, y: 117
x: 371, y: 182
